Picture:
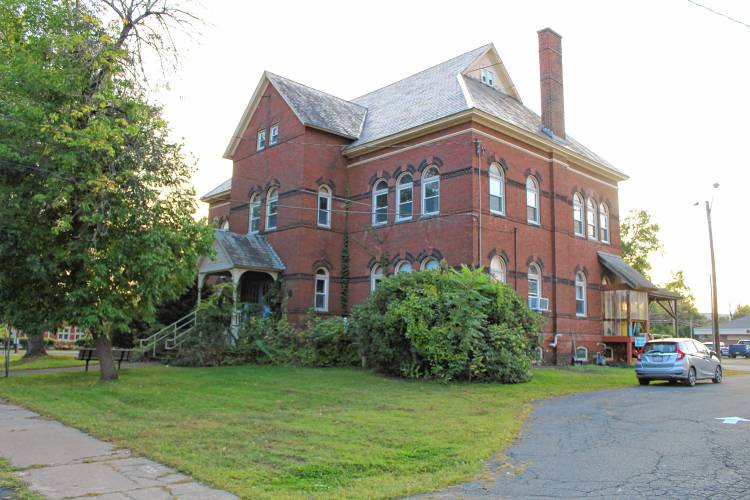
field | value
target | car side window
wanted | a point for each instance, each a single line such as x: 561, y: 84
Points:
x: 688, y: 347
x: 702, y: 348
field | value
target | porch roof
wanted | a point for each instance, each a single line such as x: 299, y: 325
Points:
x: 241, y: 251
x: 634, y: 279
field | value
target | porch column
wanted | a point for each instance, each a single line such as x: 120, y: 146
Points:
x: 628, y: 332
x: 201, y: 282
x: 235, y: 325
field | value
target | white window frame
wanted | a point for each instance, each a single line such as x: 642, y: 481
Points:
x: 273, y: 135
x: 497, y: 181
x: 261, y: 141
x: 401, y: 265
x: 487, y: 77
x: 536, y: 271
x: 579, y: 217
x: 581, y: 295
x: 591, y: 215
x: 376, y: 275
x: 431, y: 175
x: 379, y: 188
x: 404, y: 186
x: 532, y: 194
x: 321, y: 276
x: 324, y: 193
x: 429, y: 260
x: 272, y: 201
x: 498, y: 269
x: 603, y: 223
x: 254, y: 214
x: 585, y: 356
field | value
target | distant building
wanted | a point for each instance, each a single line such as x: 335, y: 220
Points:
x: 729, y: 331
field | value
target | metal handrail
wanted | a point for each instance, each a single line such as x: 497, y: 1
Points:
x: 174, y: 330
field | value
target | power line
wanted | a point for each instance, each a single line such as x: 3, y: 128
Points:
x: 741, y: 23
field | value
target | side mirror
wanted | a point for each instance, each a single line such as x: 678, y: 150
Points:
x: 713, y: 353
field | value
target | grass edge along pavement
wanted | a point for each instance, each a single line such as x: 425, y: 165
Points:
x: 287, y: 432
x: 17, y: 362
x: 10, y: 484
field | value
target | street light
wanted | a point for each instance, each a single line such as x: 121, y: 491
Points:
x: 714, y: 303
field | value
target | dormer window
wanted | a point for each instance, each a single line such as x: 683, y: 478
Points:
x: 274, y: 139
x: 261, y: 140
x: 488, y: 77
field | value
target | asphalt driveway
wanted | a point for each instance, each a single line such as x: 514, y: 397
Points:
x: 640, y: 442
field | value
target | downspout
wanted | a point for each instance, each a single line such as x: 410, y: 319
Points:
x: 554, y: 246
x: 515, y: 255
x: 478, y: 146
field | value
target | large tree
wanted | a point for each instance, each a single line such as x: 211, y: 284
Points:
x: 99, y: 176
x: 687, y: 312
x: 639, y: 238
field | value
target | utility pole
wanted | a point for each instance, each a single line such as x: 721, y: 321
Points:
x: 714, y: 303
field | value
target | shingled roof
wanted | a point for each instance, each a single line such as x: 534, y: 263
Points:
x: 224, y: 187
x: 248, y: 250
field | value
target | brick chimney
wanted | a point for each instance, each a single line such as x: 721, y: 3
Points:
x: 551, y: 77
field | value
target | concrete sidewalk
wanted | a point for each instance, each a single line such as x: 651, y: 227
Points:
x: 61, y: 462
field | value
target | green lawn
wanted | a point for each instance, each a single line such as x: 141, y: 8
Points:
x: 50, y: 361
x: 284, y: 432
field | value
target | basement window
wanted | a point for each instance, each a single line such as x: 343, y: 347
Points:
x: 487, y: 77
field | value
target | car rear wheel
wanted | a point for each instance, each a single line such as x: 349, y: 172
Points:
x: 718, y: 375
x: 644, y: 381
x: 690, y: 380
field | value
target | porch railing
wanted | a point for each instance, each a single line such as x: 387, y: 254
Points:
x: 171, y: 336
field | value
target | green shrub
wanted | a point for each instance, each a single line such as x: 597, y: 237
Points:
x: 327, y: 342
x: 447, y: 325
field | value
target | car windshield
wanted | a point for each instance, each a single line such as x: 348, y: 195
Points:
x: 662, y: 347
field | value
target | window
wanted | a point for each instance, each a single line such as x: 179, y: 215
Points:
x: 497, y: 269
x: 430, y: 264
x: 582, y: 354
x: 254, y: 225
x: 535, y: 282
x: 578, y: 215
x: 580, y: 294
x: 261, y: 140
x: 532, y: 200
x: 380, y: 203
x: 274, y: 139
x: 376, y: 275
x: 603, y: 223
x: 497, y: 190
x: 404, y: 198
x: 591, y: 219
x: 431, y: 192
x: 324, y: 206
x: 272, y: 202
x: 403, y: 267
x: 321, y: 290
x: 487, y: 77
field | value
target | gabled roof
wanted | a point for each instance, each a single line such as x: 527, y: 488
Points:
x: 241, y: 251
x: 622, y: 269
x: 741, y: 322
x: 223, y: 188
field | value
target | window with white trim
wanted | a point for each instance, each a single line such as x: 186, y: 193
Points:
x: 321, y: 290
x: 261, y: 140
x: 580, y: 294
x: 532, y: 200
x: 272, y: 207
x: 431, y: 191
x: 376, y: 276
x: 380, y: 203
x: 403, y: 267
x: 254, y: 223
x: 535, y: 282
x: 498, y: 269
x: 430, y: 264
x: 591, y: 219
x: 404, y: 198
x: 324, y: 206
x: 497, y: 190
x: 582, y: 354
x: 487, y: 77
x: 603, y: 223
x: 274, y: 139
x: 578, y: 226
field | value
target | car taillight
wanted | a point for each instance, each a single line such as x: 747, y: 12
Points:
x: 680, y: 354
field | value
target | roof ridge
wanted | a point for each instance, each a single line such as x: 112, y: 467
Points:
x: 270, y: 73
x: 422, y: 71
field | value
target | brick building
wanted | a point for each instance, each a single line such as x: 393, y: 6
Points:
x: 446, y: 165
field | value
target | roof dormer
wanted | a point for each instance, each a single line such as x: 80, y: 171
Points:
x: 490, y: 70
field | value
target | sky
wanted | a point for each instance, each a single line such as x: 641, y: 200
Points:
x: 659, y: 89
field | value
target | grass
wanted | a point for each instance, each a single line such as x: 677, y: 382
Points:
x: 50, y: 361
x: 285, y: 432
x: 10, y: 483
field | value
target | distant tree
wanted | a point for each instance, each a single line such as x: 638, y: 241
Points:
x: 741, y: 310
x: 687, y: 312
x: 639, y: 239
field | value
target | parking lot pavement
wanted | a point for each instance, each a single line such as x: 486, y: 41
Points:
x: 737, y: 364
x: 641, y: 442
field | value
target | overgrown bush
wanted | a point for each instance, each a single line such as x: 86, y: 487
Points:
x: 447, y: 325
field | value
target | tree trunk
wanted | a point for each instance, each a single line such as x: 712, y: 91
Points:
x: 35, y: 345
x: 107, y: 368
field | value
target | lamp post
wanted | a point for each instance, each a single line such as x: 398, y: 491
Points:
x: 714, y: 302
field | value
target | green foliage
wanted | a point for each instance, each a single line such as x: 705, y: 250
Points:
x: 447, y: 325
x: 741, y: 310
x: 687, y: 313
x: 639, y: 239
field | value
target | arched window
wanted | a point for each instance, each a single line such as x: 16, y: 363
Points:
x: 272, y: 202
x: 497, y: 190
x: 578, y: 228
x: 582, y: 354
x: 534, y: 277
x: 591, y: 219
x: 532, y: 200
x: 497, y: 269
x: 580, y: 294
x: 430, y: 264
x: 321, y: 290
x: 404, y: 197
x: 254, y: 224
x: 376, y: 275
x: 603, y: 223
x: 431, y: 192
x: 380, y: 203
x: 324, y: 206
x: 403, y: 267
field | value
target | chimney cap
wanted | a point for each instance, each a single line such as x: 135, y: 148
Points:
x: 550, y: 30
